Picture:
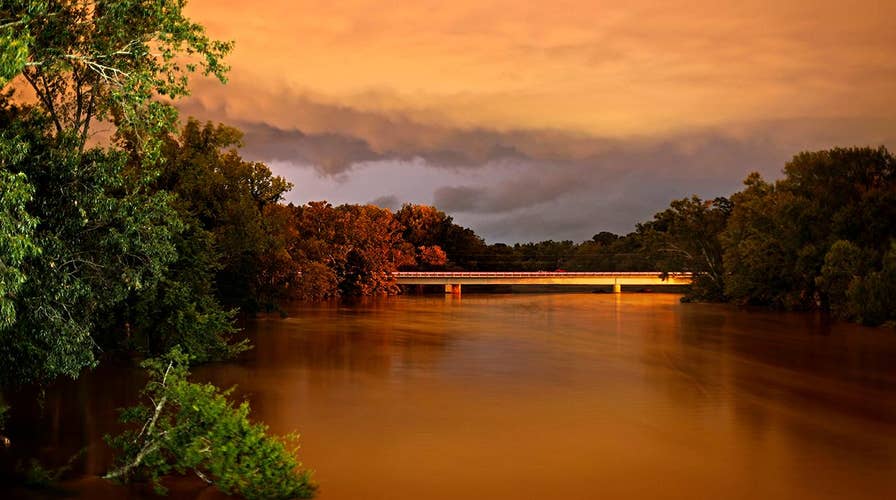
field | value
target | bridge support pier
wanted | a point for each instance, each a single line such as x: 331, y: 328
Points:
x: 453, y: 289
x: 617, y: 288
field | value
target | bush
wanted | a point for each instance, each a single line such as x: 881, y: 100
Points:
x: 195, y: 427
x: 844, y: 263
x: 873, y: 298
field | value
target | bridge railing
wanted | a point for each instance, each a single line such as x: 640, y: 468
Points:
x: 527, y: 274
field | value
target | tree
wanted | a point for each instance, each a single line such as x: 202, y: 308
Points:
x: 844, y: 263
x: 761, y: 247
x: 194, y: 427
x: 278, y: 276
x: 104, y: 235
x: 426, y: 226
x: 432, y: 257
x: 357, y: 247
x: 547, y: 255
x: 609, y: 252
x: 685, y: 237
x: 605, y: 238
x: 16, y: 226
x: 872, y: 298
x: 780, y: 234
x: 96, y: 60
x: 98, y: 241
x: 232, y: 203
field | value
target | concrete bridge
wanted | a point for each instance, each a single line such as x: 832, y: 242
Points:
x: 453, y: 280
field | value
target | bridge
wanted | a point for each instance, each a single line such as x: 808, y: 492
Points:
x: 453, y: 280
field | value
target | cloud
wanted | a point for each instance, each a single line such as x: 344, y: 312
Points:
x: 516, y: 184
x: 330, y: 153
x: 389, y: 201
x: 459, y: 198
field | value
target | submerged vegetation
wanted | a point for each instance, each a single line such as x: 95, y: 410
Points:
x: 190, y: 427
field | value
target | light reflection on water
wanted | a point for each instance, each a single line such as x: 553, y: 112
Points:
x: 568, y: 396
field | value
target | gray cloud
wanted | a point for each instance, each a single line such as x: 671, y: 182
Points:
x: 330, y: 153
x: 389, y: 201
x: 512, y: 185
x: 459, y: 198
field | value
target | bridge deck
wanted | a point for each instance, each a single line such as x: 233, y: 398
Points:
x: 540, y: 278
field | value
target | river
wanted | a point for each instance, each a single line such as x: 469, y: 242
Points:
x: 554, y: 396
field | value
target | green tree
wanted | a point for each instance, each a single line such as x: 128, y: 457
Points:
x: 103, y: 232
x: 843, y: 264
x: 872, y: 298
x: 546, y: 255
x: 609, y: 252
x: 16, y: 226
x: 230, y: 203
x: 190, y: 427
x: 762, y: 247
x: 15, y: 39
x: 780, y: 234
x: 99, y: 60
x: 98, y: 244
x: 685, y: 237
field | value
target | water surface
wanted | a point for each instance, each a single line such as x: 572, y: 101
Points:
x: 567, y: 396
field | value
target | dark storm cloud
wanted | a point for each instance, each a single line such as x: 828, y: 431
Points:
x: 649, y: 174
x: 528, y: 184
x: 328, y: 152
x: 459, y: 198
x: 389, y: 201
x: 332, y: 137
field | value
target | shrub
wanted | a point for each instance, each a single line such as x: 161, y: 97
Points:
x: 195, y: 427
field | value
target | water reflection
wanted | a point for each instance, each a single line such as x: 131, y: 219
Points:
x: 554, y: 396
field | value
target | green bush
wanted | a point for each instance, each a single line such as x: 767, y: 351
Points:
x: 195, y: 427
x: 873, y: 297
x: 844, y: 263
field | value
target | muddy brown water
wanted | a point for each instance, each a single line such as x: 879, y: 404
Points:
x: 550, y: 396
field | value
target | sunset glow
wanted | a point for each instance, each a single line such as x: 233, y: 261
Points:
x: 578, y: 100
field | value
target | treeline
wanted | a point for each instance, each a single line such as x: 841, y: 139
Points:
x: 822, y: 237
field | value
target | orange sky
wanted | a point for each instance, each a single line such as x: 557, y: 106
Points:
x: 549, y: 81
x: 608, y: 68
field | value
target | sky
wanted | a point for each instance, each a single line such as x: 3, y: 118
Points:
x: 545, y: 119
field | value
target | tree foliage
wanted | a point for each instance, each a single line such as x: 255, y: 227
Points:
x: 426, y: 227
x: 801, y: 241
x: 106, y: 60
x: 686, y: 237
x: 129, y: 242
x: 191, y: 427
x: 354, y: 247
x: 108, y: 237
x: 232, y: 206
x: 16, y: 225
x: 872, y: 298
x: 98, y: 240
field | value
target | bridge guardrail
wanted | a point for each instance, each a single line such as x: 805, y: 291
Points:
x: 526, y: 274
